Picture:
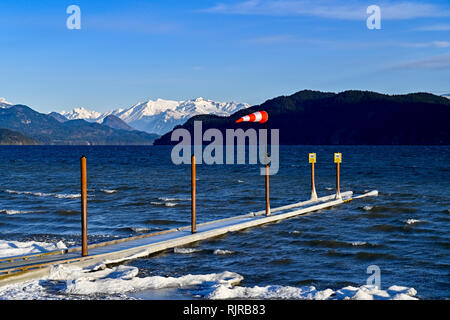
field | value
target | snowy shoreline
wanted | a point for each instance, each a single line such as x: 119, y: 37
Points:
x: 122, y: 282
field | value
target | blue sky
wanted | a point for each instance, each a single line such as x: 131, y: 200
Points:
x: 239, y: 50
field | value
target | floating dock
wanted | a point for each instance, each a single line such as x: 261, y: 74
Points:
x: 27, y: 267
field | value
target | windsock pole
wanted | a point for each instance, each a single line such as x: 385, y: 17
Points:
x: 267, y: 173
x: 267, y: 191
x: 84, y: 247
x: 193, y: 194
x: 312, y: 160
x: 338, y: 160
x: 261, y: 117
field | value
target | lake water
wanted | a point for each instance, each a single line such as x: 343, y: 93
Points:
x: 134, y: 190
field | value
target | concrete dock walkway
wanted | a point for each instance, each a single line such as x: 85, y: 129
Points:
x: 21, y: 268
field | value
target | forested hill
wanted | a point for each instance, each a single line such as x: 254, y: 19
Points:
x: 347, y: 118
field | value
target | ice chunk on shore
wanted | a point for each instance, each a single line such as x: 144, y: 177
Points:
x: 269, y: 292
x: 17, y: 248
x: 123, y: 279
x: 69, y: 282
x: 311, y: 293
x: 369, y: 292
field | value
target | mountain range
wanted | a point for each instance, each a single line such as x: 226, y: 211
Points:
x: 10, y: 137
x: 347, y: 118
x: 25, y: 126
x: 306, y: 117
x: 159, y: 116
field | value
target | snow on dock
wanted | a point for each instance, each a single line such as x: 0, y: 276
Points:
x: 25, y: 267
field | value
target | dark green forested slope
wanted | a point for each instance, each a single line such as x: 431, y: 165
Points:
x: 350, y: 117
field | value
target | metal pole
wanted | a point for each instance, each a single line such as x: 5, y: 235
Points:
x: 267, y: 191
x: 313, y: 183
x: 267, y: 172
x: 193, y: 218
x: 84, y: 248
x: 338, y: 181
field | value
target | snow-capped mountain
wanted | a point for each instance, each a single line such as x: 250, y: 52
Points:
x: 81, y: 113
x: 4, y: 103
x: 159, y: 116
x: 446, y: 96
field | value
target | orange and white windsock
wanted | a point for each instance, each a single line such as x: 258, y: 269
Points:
x: 259, y: 116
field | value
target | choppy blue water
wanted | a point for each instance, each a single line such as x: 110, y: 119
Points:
x: 404, y: 231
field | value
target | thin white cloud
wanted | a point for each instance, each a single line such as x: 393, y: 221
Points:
x: 277, y: 39
x: 348, y: 10
x: 435, y: 63
x: 126, y: 23
x: 436, y: 27
x: 273, y: 39
x: 441, y: 44
x: 435, y: 44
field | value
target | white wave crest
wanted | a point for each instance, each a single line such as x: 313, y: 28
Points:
x: 367, y: 208
x: 167, y: 204
x: 42, y: 194
x: 13, y: 212
x: 412, y: 221
x: 108, y: 191
x: 359, y: 243
x: 186, y: 250
x: 139, y: 230
x: 172, y: 199
x: 223, y: 252
x: 66, y: 196
x: 170, y: 204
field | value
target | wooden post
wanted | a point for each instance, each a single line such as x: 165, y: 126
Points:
x: 84, y: 249
x: 312, y: 160
x: 193, y: 218
x: 267, y: 191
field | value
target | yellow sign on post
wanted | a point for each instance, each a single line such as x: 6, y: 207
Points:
x: 312, y: 158
x: 337, y: 157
